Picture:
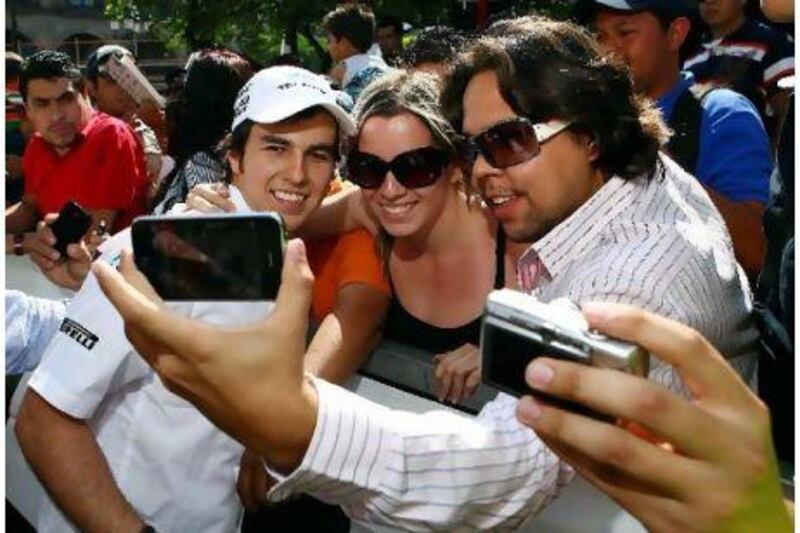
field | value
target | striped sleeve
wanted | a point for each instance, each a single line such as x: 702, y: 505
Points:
x: 779, y: 59
x: 422, y: 472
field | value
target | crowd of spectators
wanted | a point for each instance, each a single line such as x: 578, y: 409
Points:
x: 584, y: 160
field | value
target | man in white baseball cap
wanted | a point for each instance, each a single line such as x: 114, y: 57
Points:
x: 275, y: 94
x: 152, y: 459
x: 285, y: 135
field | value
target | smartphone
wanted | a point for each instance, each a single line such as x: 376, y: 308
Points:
x: 518, y: 328
x: 71, y: 225
x: 211, y: 257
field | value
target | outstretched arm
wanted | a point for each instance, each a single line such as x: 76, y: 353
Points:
x: 402, y: 469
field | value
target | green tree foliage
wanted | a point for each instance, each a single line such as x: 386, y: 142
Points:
x: 257, y: 27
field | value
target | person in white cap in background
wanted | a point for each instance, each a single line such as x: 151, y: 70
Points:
x: 115, y: 99
x: 114, y: 448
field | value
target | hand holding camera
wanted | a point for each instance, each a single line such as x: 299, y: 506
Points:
x: 719, y: 471
x: 517, y: 328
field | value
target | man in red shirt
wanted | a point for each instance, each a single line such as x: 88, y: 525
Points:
x: 76, y: 154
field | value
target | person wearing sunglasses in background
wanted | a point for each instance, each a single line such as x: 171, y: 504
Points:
x: 612, y: 219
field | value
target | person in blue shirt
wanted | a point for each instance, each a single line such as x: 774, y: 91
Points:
x: 30, y: 324
x: 730, y: 148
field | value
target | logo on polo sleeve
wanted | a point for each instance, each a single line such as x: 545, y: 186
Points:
x: 78, y: 333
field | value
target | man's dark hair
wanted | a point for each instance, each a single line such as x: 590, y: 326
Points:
x: 390, y: 20
x: 354, y: 22
x: 14, y: 63
x: 48, y: 65
x: 237, y: 140
x: 554, y: 70
x: 434, y: 44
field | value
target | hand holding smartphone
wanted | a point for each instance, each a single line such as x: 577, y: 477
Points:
x: 211, y: 257
x: 71, y: 225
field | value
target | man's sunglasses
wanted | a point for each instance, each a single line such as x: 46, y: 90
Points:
x: 510, y: 142
x: 412, y: 169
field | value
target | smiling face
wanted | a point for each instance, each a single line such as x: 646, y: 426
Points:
x: 403, y: 212
x: 531, y: 198
x: 287, y: 167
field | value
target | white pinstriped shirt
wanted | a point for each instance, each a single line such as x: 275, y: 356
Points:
x: 659, y: 244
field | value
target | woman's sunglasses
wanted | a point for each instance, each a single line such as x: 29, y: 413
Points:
x: 413, y: 169
x: 510, y: 142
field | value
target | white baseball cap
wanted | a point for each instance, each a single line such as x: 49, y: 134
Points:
x: 277, y: 93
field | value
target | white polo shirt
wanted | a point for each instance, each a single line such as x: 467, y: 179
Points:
x: 172, y: 465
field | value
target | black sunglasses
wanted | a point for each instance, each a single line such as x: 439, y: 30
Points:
x: 509, y: 142
x: 412, y: 169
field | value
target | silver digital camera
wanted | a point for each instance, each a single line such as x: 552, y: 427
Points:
x: 518, y: 328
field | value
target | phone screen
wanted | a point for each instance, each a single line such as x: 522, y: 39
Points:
x: 227, y: 257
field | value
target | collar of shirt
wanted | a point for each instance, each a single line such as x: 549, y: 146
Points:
x: 666, y: 103
x: 238, y: 200
x: 356, y: 63
x: 575, y: 235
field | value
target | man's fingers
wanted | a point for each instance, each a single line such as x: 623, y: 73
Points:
x: 246, y: 482
x: 40, y: 244
x: 702, y: 368
x: 43, y: 231
x: 457, y: 388
x: 210, y: 197
x: 219, y: 188
x: 294, y: 297
x: 617, y: 453
x: 243, y: 486
x: 134, y: 306
x: 259, y: 484
x: 649, y: 508
x: 472, y: 383
x: 633, y: 398
x: 79, y: 252
x: 134, y: 276
x: 41, y: 261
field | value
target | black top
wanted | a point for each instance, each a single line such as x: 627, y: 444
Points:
x: 404, y: 327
